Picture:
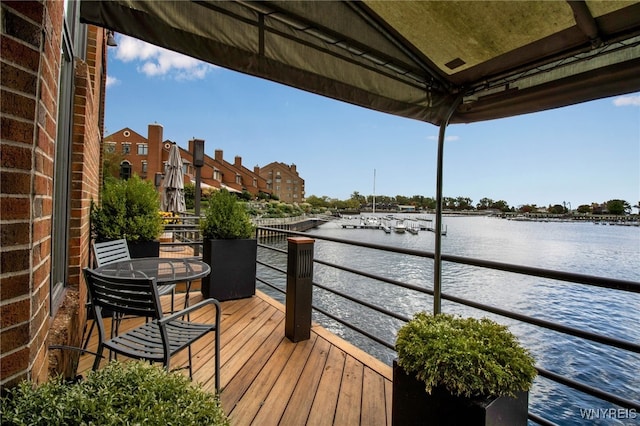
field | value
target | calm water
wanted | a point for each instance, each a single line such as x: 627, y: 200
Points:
x: 601, y: 250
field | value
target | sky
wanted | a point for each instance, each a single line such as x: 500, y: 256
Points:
x: 574, y: 155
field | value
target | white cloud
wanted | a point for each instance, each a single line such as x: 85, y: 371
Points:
x: 629, y: 100
x: 155, y: 61
x: 112, y: 81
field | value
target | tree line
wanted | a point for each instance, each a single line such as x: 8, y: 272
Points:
x: 358, y: 201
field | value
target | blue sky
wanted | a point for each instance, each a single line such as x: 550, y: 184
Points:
x: 577, y: 155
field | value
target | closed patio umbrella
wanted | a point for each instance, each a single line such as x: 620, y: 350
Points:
x: 173, y: 195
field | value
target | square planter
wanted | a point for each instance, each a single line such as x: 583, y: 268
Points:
x: 144, y: 249
x: 412, y: 405
x: 233, y: 268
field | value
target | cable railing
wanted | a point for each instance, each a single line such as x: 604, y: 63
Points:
x: 617, y: 285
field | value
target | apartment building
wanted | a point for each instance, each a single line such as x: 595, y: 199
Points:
x: 283, y: 181
x: 146, y: 157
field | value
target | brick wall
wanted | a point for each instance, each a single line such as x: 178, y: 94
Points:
x: 30, y: 43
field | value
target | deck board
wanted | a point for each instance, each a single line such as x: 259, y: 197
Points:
x: 268, y: 380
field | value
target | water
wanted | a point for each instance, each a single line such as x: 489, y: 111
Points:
x: 601, y: 250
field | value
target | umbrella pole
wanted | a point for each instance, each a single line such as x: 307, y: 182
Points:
x: 437, y: 258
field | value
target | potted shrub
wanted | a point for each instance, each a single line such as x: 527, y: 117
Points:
x: 229, y: 248
x: 460, y: 371
x: 121, y: 393
x: 129, y: 209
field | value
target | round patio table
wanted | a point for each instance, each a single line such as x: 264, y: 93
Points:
x: 167, y: 271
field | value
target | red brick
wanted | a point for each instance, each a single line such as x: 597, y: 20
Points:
x: 14, y: 363
x: 14, y: 286
x: 15, y: 157
x: 18, y: 27
x: 14, y: 234
x: 13, y: 338
x: 15, y: 183
x: 18, y: 79
x: 14, y: 261
x: 31, y: 9
x: 20, y: 54
x: 17, y: 105
x: 14, y: 313
x: 14, y: 208
x: 16, y: 131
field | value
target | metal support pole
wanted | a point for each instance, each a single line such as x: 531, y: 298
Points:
x: 299, y: 288
x: 437, y: 258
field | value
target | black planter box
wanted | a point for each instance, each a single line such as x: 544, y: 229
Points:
x: 233, y: 268
x: 144, y: 249
x: 412, y: 405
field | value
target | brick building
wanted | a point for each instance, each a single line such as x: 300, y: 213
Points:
x: 52, y: 101
x: 147, y: 156
x: 284, y: 181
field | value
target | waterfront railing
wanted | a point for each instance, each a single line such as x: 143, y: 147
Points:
x: 617, y: 285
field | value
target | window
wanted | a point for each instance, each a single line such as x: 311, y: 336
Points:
x: 109, y: 147
x: 144, y: 167
x: 72, y: 45
x: 142, y: 149
x: 125, y: 170
x: 217, y: 175
x: 126, y: 148
x: 238, y: 179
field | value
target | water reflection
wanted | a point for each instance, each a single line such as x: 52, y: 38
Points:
x: 572, y: 247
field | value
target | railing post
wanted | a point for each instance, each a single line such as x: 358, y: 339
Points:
x: 299, y: 288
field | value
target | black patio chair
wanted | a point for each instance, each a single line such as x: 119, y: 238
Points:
x: 106, y: 253
x: 157, y: 340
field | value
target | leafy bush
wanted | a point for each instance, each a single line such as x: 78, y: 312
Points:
x: 466, y: 356
x: 119, y: 394
x: 225, y: 218
x: 128, y: 209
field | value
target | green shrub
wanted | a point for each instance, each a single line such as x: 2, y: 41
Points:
x: 131, y: 393
x: 466, y: 356
x: 225, y: 218
x: 129, y: 209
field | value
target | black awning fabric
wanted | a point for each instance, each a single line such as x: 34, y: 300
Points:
x: 408, y: 58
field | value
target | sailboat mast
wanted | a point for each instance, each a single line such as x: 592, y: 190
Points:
x: 374, y: 191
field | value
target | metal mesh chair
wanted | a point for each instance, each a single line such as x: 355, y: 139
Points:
x: 157, y: 340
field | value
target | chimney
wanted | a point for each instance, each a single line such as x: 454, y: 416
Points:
x: 238, y: 162
x: 293, y: 168
x: 218, y: 155
x: 154, y: 147
x: 256, y: 170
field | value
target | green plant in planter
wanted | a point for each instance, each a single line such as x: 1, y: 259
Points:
x: 119, y: 394
x: 466, y: 356
x: 129, y: 209
x: 229, y: 248
x: 225, y: 218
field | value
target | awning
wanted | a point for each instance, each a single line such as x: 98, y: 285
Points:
x: 408, y: 58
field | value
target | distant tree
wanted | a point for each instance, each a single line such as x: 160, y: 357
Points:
x: 556, y: 209
x: 189, y: 195
x: 527, y: 208
x: 584, y: 208
x: 316, y: 201
x: 618, y: 207
x: 111, y: 161
x: 501, y: 205
x: 484, y: 203
x: 464, y: 203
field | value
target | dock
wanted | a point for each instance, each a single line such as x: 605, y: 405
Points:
x: 268, y: 380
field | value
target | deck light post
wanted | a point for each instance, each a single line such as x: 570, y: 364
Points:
x: 198, y: 162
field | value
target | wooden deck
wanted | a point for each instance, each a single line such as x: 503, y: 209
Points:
x: 268, y: 380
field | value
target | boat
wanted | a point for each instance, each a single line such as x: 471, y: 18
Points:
x: 400, y: 228
x: 385, y: 228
